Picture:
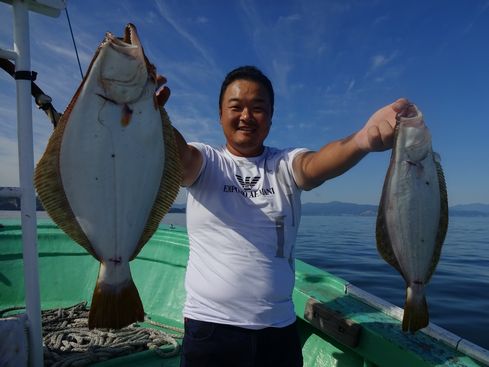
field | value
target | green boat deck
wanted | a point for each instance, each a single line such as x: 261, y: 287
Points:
x: 337, y: 328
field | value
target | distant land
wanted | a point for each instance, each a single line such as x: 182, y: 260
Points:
x: 341, y: 208
x: 333, y: 208
x: 13, y: 203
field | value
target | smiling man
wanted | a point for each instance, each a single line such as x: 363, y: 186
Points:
x: 246, y: 116
x: 243, y: 212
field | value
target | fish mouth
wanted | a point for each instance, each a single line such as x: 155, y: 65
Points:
x: 125, y: 70
x: 410, y: 116
x: 416, y: 137
x: 130, y: 45
x: 130, y: 35
x: 126, y: 44
x: 410, y: 111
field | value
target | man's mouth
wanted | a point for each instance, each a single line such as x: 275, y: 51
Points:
x: 246, y: 129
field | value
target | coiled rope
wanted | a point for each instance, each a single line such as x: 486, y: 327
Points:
x: 69, y: 342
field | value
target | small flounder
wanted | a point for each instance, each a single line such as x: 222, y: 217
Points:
x: 412, y: 219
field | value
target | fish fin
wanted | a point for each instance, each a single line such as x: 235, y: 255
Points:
x: 443, y: 222
x: 384, y: 246
x: 416, y: 314
x: 115, y: 306
x: 169, y: 186
x: 47, y: 177
x: 49, y: 186
x: 436, y: 158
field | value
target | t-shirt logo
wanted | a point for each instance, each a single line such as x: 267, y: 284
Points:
x: 248, y: 182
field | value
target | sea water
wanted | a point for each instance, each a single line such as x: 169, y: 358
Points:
x: 457, y: 295
x: 458, y: 292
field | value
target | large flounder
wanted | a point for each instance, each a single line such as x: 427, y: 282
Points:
x: 111, y: 171
x: 413, y: 213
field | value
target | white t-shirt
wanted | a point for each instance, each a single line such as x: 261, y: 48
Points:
x: 242, y: 220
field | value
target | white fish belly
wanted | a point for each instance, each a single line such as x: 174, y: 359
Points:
x: 110, y: 173
x: 412, y: 216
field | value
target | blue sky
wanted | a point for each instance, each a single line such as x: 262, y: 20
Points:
x: 332, y: 63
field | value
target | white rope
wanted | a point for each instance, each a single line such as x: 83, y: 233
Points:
x: 69, y: 342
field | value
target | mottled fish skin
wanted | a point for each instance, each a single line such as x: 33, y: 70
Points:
x: 412, y: 219
x: 111, y: 171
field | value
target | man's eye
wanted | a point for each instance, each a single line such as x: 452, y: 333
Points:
x: 259, y: 109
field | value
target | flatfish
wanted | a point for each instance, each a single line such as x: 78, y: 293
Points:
x: 412, y: 219
x: 111, y: 171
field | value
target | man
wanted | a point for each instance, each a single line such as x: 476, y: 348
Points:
x: 243, y: 212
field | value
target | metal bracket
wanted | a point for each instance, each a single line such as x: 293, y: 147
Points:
x: 25, y: 75
x: 332, y: 323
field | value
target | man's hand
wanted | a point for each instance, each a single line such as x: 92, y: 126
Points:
x: 162, y: 91
x: 378, y: 133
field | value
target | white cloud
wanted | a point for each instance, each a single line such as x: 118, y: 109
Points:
x: 382, y: 64
x: 378, y: 61
x: 281, y: 70
x: 381, y: 60
x: 381, y: 19
x: 267, y: 40
x: 184, y: 33
x: 290, y: 18
x: 64, y: 54
x: 202, y: 20
x: 351, y: 84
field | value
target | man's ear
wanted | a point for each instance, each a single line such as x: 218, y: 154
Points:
x: 220, y: 115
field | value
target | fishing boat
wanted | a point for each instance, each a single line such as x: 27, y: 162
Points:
x: 45, y: 275
x: 340, y: 325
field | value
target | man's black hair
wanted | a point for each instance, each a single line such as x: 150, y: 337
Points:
x: 247, y: 73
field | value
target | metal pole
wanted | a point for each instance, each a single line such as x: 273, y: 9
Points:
x: 26, y: 172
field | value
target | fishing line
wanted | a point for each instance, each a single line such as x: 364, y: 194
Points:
x: 74, y: 43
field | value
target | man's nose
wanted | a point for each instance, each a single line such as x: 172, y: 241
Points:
x: 246, y: 115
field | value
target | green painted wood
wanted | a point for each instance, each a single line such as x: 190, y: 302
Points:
x: 68, y: 274
x: 382, y: 342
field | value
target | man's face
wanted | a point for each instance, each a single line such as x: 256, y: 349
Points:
x: 245, y: 117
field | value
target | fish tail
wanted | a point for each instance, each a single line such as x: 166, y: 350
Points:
x: 114, y: 306
x: 416, y: 314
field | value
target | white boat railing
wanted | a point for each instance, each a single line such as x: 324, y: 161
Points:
x: 9, y: 192
x: 436, y: 332
x: 21, y: 56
